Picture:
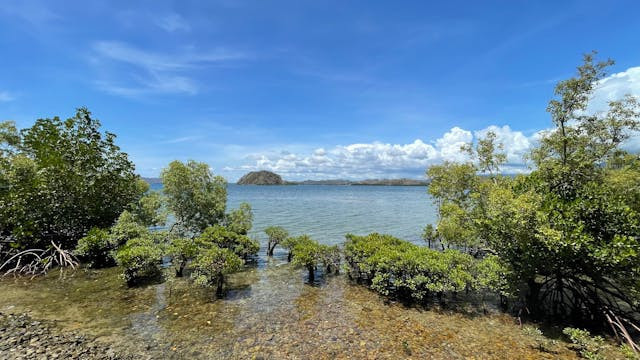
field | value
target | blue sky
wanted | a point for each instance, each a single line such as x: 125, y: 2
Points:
x: 321, y: 89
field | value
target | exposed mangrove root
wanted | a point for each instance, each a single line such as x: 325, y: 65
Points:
x: 38, y: 261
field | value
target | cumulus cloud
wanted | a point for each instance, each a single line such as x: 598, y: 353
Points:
x: 615, y: 87
x: 377, y: 159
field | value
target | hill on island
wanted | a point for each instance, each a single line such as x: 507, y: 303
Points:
x: 269, y: 178
x: 261, y: 178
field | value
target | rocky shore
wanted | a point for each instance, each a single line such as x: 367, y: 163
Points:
x: 22, y: 337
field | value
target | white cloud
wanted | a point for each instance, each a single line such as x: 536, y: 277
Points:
x: 515, y: 143
x: 615, y: 87
x: 36, y: 13
x: 451, y: 142
x: 5, y: 96
x: 155, y: 72
x: 376, y: 159
x: 173, y: 23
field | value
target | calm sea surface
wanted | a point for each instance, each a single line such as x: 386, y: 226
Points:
x: 328, y: 212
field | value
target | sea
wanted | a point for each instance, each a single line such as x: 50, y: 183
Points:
x: 328, y: 212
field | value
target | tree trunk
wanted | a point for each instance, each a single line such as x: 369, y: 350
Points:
x: 311, y: 270
x: 219, y: 286
x: 270, y: 249
x: 289, y: 256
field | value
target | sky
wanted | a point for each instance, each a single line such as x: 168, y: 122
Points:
x: 309, y: 89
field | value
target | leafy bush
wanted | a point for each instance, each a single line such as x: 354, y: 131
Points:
x: 307, y: 253
x: 331, y: 257
x: 127, y: 228
x: 289, y: 243
x: 182, y: 250
x: 96, y: 248
x: 140, y: 258
x: 276, y: 235
x: 241, y: 245
x: 149, y: 210
x: 240, y: 220
x: 398, y: 268
x: 212, y: 264
x: 589, y: 347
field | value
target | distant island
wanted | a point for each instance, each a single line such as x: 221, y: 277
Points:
x: 270, y: 178
x: 261, y: 178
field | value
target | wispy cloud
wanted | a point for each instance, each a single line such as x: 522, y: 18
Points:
x: 36, y: 13
x: 173, y: 23
x: 155, y: 72
x: 183, y: 139
x: 6, y: 96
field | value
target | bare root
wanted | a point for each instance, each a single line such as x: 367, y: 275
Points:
x: 38, y: 261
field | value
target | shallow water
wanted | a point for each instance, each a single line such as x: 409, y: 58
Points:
x: 269, y: 312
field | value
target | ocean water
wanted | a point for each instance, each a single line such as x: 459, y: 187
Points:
x: 328, y: 212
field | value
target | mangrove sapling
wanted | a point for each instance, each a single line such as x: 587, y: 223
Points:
x: 331, y: 257
x: 276, y: 235
x: 289, y: 243
x: 240, y: 220
x: 307, y: 253
x: 220, y: 236
x: 429, y: 235
x: 140, y: 258
x: 127, y: 228
x: 182, y: 250
x: 96, y: 248
x: 211, y: 266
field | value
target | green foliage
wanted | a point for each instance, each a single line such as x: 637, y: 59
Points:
x: 289, y: 243
x: 212, y: 264
x: 220, y: 236
x: 569, y: 232
x: 488, y: 154
x: 330, y: 257
x: 182, y: 250
x: 149, y: 210
x: 196, y: 197
x: 589, y: 347
x: 59, y: 179
x: 240, y: 220
x: 542, y: 342
x: 127, y: 228
x: 276, y: 234
x: 429, y: 234
x: 140, y: 258
x: 96, y: 248
x: 307, y: 253
x: 397, y: 268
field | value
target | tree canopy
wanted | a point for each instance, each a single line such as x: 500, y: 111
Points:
x: 59, y: 179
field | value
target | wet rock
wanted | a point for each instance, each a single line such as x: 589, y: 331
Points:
x: 22, y: 337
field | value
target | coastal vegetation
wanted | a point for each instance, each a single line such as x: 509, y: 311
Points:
x: 568, y: 232
x: 276, y: 235
x: 559, y: 244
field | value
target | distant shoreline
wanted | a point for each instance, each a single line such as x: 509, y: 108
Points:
x: 370, y: 182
